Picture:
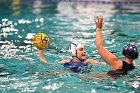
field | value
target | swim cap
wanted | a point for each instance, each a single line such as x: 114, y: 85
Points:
x: 130, y: 51
x: 72, y: 48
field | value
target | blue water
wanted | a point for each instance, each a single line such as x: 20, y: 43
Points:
x: 20, y: 68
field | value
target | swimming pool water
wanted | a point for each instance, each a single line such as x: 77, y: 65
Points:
x: 22, y: 72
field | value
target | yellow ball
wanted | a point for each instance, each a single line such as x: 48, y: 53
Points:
x: 40, y: 41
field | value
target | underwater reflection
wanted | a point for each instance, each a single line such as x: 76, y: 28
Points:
x: 37, y: 5
x: 16, y: 6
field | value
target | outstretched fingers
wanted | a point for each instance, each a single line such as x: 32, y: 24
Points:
x: 101, y: 19
x: 98, y: 19
x: 95, y: 21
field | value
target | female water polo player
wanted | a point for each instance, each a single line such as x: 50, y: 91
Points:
x: 117, y: 66
x: 79, y: 60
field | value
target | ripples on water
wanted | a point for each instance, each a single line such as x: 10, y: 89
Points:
x: 20, y: 69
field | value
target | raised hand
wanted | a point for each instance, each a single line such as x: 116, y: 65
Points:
x: 99, y: 22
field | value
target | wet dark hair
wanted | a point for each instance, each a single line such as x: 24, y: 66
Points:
x: 130, y: 51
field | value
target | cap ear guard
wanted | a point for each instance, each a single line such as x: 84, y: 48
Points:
x: 72, y: 49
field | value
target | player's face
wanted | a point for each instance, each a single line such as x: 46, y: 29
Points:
x: 81, y: 53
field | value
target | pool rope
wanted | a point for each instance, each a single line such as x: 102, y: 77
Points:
x: 115, y: 2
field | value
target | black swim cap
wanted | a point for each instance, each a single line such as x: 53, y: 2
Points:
x: 130, y: 51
